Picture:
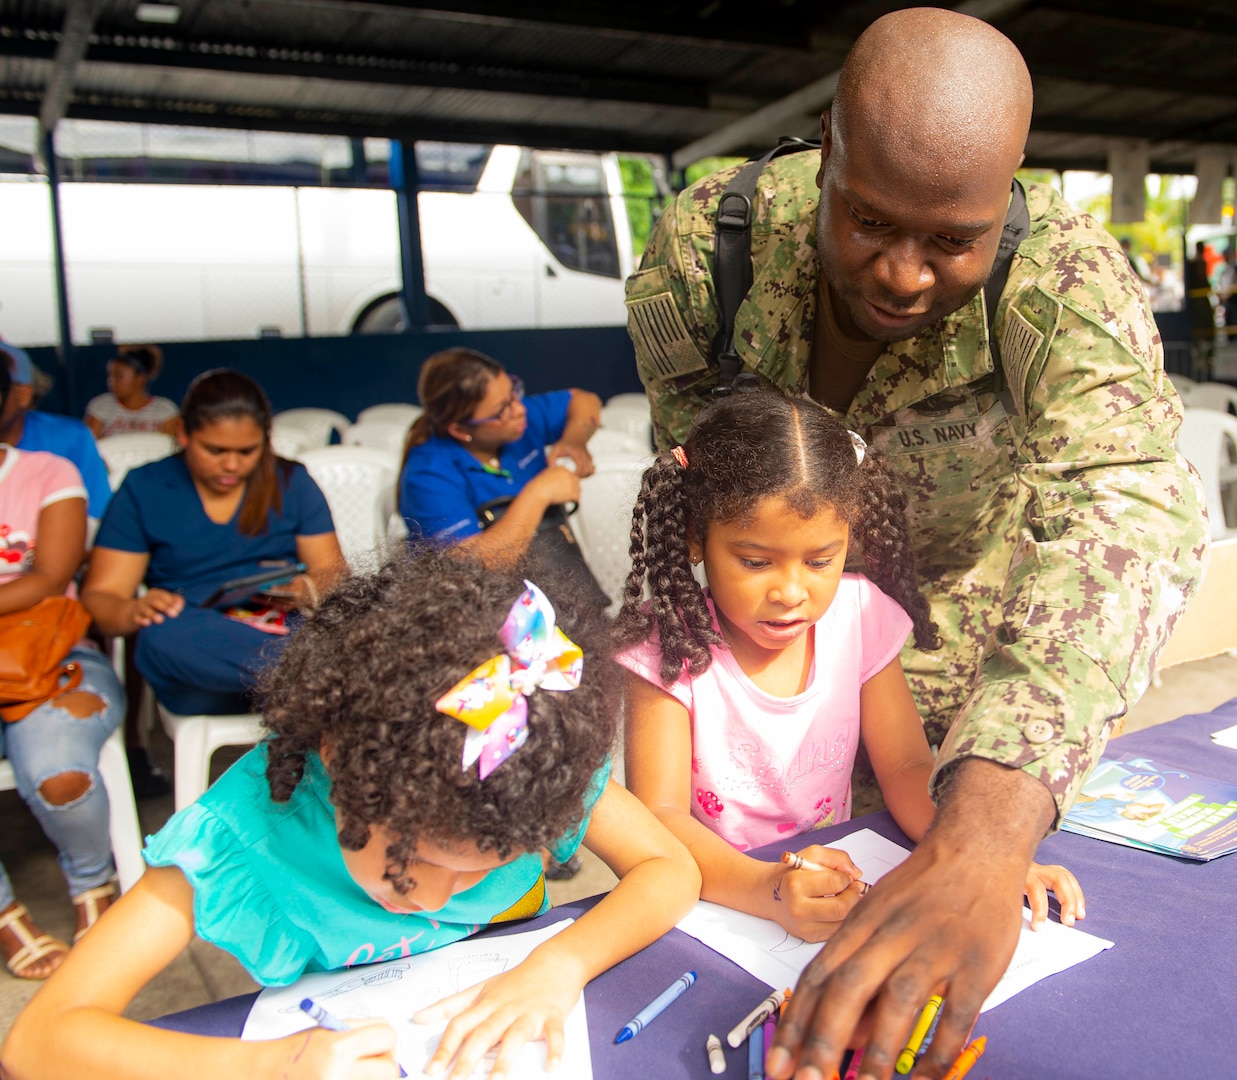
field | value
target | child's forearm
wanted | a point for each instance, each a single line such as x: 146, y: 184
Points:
x: 728, y: 877
x: 909, y: 799
x: 95, y: 1043
x: 647, y: 902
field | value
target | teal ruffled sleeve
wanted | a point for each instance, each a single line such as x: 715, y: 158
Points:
x: 563, y: 848
x: 233, y: 907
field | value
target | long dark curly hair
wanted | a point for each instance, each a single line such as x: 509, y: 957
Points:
x: 362, y: 675
x: 743, y: 448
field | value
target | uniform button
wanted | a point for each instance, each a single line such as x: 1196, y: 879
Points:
x: 1038, y: 731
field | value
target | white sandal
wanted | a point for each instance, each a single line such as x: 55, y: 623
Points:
x: 90, y: 900
x: 33, y: 949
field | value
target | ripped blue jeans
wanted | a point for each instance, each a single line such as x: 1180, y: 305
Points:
x: 51, y: 741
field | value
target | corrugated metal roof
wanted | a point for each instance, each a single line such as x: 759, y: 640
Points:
x: 641, y: 75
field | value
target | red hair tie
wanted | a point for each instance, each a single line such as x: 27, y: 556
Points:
x: 680, y: 455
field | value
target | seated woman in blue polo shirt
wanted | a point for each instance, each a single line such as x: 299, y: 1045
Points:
x: 221, y: 509
x: 480, y: 439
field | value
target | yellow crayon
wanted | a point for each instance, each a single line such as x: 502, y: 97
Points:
x: 906, y: 1059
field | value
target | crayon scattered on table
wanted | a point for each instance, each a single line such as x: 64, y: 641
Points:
x: 656, y: 1007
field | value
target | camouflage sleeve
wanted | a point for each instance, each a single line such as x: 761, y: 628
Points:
x: 669, y: 335
x: 1114, y: 529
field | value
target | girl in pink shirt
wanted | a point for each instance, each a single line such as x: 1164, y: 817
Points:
x: 747, y: 700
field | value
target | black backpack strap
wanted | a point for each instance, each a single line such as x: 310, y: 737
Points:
x: 1017, y: 225
x: 732, y: 260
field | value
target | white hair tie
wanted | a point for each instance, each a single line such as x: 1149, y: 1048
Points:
x: 861, y: 448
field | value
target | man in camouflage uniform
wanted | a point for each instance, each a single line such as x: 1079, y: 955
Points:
x: 1058, y: 532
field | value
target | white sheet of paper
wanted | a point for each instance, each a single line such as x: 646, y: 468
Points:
x: 764, y: 949
x: 1226, y: 737
x: 394, y: 990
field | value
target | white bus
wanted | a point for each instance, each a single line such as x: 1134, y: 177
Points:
x: 526, y: 239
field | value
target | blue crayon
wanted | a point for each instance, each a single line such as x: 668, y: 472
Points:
x: 927, y: 1039
x: 756, y: 1054
x: 655, y: 1007
x: 325, y: 1020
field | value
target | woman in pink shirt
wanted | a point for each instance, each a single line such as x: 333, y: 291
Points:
x: 747, y: 700
x: 54, y: 747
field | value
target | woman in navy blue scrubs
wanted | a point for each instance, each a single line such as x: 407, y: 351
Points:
x: 221, y: 509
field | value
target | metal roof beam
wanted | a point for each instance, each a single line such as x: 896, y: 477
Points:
x: 162, y: 50
x: 764, y: 125
x: 79, y: 20
x: 730, y: 22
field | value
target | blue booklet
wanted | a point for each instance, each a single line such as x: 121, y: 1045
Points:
x: 1145, y: 804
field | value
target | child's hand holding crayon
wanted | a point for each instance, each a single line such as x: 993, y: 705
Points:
x: 814, y: 890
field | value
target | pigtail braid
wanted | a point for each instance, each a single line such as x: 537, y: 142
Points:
x: 888, y: 555
x: 660, y: 557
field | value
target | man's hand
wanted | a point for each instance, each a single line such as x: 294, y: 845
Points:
x: 946, y: 922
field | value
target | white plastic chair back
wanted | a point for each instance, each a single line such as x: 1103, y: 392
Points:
x: 629, y: 413
x: 359, y: 485
x: 1184, y: 386
x: 381, y: 434
x: 607, y: 443
x: 602, y: 523
x: 288, y: 442
x: 1212, y: 395
x: 312, y: 427
x: 400, y: 411
x: 629, y: 400
x: 130, y: 449
x: 1208, y: 441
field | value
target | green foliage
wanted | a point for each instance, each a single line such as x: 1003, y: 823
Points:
x: 706, y: 166
x: 640, y: 195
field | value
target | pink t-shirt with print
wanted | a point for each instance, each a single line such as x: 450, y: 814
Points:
x: 29, y: 481
x: 764, y: 767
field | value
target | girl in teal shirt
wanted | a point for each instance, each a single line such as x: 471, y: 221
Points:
x: 432, y: 727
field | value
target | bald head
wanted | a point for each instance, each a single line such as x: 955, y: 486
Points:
x: 935, y: 91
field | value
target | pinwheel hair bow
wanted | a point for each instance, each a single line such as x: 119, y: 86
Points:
x: 492, y: 698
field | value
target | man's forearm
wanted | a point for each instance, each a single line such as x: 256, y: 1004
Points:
x: 993, y: 811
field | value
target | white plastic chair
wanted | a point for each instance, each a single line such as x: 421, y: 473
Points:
x: 401, y: 411
x: 359, y: 485
x: 629, y: 413
x: 126, y: 835
x: 602, y: 523
x: 1213, y: 395
x: 126, y: 451
x: 195, y: 739
x: 1208, y: 441
x: 380, y: 434
x: 606, y: 442
x: 639, y: 400
x: 288, y: 442
x: 312, y: 427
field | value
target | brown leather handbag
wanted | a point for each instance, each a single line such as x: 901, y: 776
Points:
x: 33, y: 647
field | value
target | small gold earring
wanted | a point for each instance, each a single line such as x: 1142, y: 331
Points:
x: 468, y: 438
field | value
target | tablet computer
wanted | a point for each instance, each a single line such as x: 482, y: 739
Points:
x: 241, y: 589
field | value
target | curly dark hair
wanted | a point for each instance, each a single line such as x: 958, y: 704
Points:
x: 361, y: 677
x: 743, y: 448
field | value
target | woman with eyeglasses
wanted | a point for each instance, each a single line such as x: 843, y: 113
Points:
x: 480, y: 439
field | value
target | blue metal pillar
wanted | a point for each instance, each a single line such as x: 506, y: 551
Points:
x: 68, y: 368
x: 405, y: 181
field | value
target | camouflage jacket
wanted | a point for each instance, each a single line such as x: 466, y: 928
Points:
x: 1059, y: 534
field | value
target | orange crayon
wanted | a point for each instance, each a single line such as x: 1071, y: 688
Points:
x: 967, y: 1059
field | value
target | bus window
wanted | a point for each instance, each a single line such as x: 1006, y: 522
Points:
x: 564, y: 200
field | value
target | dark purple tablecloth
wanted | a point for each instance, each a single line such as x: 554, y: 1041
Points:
x: 1152, y: 1006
